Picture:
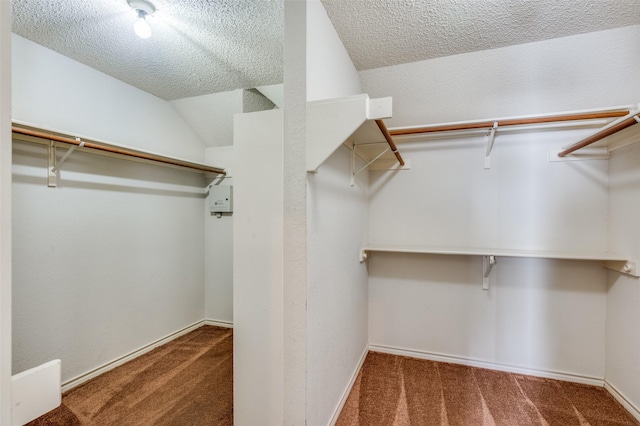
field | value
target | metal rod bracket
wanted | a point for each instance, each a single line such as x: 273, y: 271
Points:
x: 66, y: 155
x: 355, y: 173
x: 52, y: 176
x: 488, y: 262
x: 489, y: 140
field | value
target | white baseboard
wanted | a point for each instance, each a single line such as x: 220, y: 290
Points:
x: 76, y: 381
x: 631, y: 408
x: 35, y: 392
x: 347, y: 391
x: 558, y: 375
x: 218, y: 323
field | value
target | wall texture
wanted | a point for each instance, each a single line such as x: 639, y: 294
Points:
x: 109, y: 261
x: 55, y: 92
x: 623, y: 322
x: 336, y: 298
x: 211, y: 116
x: 535, y: 313
x: 218, y: 303
x: 258, y: 268
x: 578, y: 72
x: 330, y: 72
x: 5, y: 213
x: 97, y: 269
x: 338, y: 284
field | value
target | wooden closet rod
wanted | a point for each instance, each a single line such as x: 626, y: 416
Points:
x: 392, y: 145
x: 121, y: 151
x: 608, y: 131
x: 507, y: 122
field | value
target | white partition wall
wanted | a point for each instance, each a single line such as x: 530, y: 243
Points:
x: 623, y: 297
x: 338, y: 284
x: 5, y: 213
x: 258, y: 268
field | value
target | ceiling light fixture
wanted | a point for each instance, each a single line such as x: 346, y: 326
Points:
x: 143, y: 8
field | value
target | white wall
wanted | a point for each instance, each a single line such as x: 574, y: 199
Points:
x: 524, y: 201
x: 258, y: 268
x: 294, y: 315
x: 337, y: 283
x: 623, y: 322
x: 535, y: 313
x: 336, y: 228
x: 218, y: 303
x: 211, y: 116
x: 545, y: 315
x: 5, y: 213
x: 109, y: 261
x: 113, y: 258
x: 578, y: 72
x: 54, y: 92
x: 330, y: 72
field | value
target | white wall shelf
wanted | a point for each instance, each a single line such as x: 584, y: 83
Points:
x: 612, y: 261
x: 350, y: 121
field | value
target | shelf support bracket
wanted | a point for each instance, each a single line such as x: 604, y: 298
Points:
x: 54, y: 165
x: 355, y: 173
x: 52, y: 177
x: 364, y: 255
x: 488, y: 262
x: 629, y: 267
x: 66, y: 156
x: 489, y: 139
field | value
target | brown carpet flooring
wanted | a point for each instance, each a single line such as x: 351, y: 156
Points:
x: 188, y: 381
x: 394, y: 390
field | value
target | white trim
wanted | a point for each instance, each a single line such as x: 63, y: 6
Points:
x: 218, y: 323
x: 626, y: 403
x: 35, y: 392
x: 78, y: 380
x: 558, y: 375
x: 347, y: 391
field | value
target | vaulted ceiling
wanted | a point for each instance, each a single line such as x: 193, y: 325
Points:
x: 205, y: 46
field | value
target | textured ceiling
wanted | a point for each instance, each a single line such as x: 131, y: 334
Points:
x: 197, y: 47
x: 205, y: 46
x: 379, y: 33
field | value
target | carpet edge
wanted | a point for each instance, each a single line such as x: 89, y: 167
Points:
x: 95, y: 372
x: 430, y: 356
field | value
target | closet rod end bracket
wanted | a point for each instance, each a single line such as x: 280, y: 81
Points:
x: 52, y: 175
x: 364, y: 255
x: 488, y: 262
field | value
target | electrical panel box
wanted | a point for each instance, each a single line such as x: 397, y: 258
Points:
x: 221, y: 199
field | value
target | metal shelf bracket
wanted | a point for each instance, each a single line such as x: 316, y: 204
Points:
x: 488, y: 262
x: 629, y: 267
x: 355, y: 173
x: 54, y: 164
x: 364, y: 255
x: 489, y: 139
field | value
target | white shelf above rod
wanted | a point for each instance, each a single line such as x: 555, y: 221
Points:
x: 614, y: 262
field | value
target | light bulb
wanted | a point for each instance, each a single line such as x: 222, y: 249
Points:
x: 142, y: 28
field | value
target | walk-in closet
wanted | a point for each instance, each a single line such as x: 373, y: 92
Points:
x: 319, y: 212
